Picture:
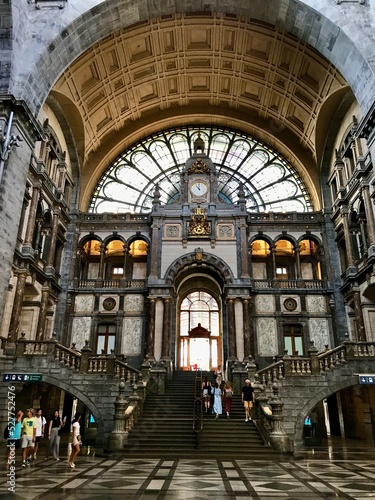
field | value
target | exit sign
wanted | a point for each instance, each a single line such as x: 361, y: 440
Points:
x: 367, y: 379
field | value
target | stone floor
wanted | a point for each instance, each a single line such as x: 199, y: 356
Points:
x: 330, y: 472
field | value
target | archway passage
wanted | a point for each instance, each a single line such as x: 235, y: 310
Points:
x: 199, y: 346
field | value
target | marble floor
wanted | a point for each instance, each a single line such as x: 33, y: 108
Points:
x: 316, y: 474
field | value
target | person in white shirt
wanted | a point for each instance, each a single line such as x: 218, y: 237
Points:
x: 76, y: 440
x: 40, y: 425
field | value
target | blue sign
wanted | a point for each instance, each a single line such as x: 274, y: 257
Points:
x: 22, y: 377
x: 367, y: 379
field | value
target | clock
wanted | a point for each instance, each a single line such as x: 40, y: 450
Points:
x: 199, y: 188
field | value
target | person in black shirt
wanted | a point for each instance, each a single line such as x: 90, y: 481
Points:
x: 247, y: 398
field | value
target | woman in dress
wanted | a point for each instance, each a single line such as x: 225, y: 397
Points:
x: 218, y: 409
x: 206, y: 393
x: 228, y: 395
x: 76, y: 440
x: 218, y: 375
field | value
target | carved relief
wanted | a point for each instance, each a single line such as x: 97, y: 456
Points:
x: 109, y: 304
x: 225, y: 231
x: 290, y: 304
x: 172, y: 231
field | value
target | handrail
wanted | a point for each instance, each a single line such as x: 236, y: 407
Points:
x: 198, y: 403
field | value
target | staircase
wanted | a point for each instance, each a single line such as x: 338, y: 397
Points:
x: 165, y: 428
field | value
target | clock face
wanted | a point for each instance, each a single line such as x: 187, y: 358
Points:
x: 199, y: 188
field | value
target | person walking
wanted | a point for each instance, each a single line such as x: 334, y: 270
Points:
x: 28, y: 431
x: 76, y: 440
x: 54, y: 427
x: 14, y: 428
x: 218, y: 375
x: 217, y: 407
x: 228, y: 395
x: 206, y: 393
x: 40, y: 428
x: 247, y: 399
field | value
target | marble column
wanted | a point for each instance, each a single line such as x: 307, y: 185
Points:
x: 102, y: 261
x: 154, y: 250
x: 232, y: 345
x: 244, y: 251
x: 298, y: 263
x: 32, y: 217
x: 150, y: 340
x: 52, y: 248
x: 248, y: 331
x: 348, y: 240
x: 40, y: 331
x: 166, y: 343
x: 361, y: 330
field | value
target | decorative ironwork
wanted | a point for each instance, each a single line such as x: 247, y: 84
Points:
x: 199, y: 167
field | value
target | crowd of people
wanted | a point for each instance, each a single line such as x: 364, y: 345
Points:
x: 218, y: 395
x: 26, y: 432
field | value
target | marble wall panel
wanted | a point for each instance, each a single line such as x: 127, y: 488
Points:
x: 259, y: 270
x: 265, y: 304
x: 84, y: 303
x: 319, y: 332
x: 93, y: 271
x: 267, y: 337
x: 134, y: 303
x: 81, y: 331
x: 132, y: 336
x: 315, y: 304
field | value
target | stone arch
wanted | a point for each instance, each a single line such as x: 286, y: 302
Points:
x: 208, y: 263
x: 311, y: 403
x: 82, y: 396
x: 316, y: 29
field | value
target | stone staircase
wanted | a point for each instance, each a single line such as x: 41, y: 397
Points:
x: 165, y: 428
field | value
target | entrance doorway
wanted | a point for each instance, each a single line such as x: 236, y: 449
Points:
x: 199, y: 339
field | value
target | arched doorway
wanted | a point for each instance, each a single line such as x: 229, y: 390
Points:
x: 199, y: 336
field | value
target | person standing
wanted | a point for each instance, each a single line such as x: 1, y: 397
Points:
x: 28, y: 431
x: 54, y: 427
x: 40, y: 427
x: 206, y: 393
x: 14, y: 434
x: 228, y: 395
x: 217, y: 407
x: 76, y: 440
x: 248, y: 399
x: 218, y: 375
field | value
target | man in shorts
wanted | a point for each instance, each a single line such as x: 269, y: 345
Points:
x: 247, y: 398
x: 28, y: 436
x: 40, y: 425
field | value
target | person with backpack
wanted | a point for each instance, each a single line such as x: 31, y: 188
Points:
x: 12, y: 433
x: 228, y: 395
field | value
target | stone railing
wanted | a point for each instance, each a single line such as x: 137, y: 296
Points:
x: 290, y: 284
x: 315, y: 363
x: 102, y: 283
x: 82, y: 361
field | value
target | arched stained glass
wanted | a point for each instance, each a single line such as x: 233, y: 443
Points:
x: 270, y: 182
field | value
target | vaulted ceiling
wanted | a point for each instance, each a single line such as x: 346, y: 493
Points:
x: 185, y: 69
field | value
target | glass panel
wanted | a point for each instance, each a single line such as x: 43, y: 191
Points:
x: 270, y: 181
x: 298, y: 344
x: 111, y: 343
x: 288, y: 345
x: 101, y: 343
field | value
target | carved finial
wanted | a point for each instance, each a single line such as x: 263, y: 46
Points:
x: 199, y: 145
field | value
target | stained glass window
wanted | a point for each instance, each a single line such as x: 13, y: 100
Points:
x: 270, y: 182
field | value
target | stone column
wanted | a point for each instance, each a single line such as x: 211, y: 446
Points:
x: 40, y: 333
x: 244, y: 251
x: 154, y: 250
x: 150, y: 340
x: 52, y: 248
x: 16, y: 312
x: 232, y: 347
x: 166, y: 345
x: 119, y: 436
x: 369, y: 215
x: 298, y: 263
x: 32, y: 217
x: 248, y: 331
x: 126, y: 250
x: 102, y: 261
x: 348, y: 240
x: 273, y: 255
x: 361, y: 330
